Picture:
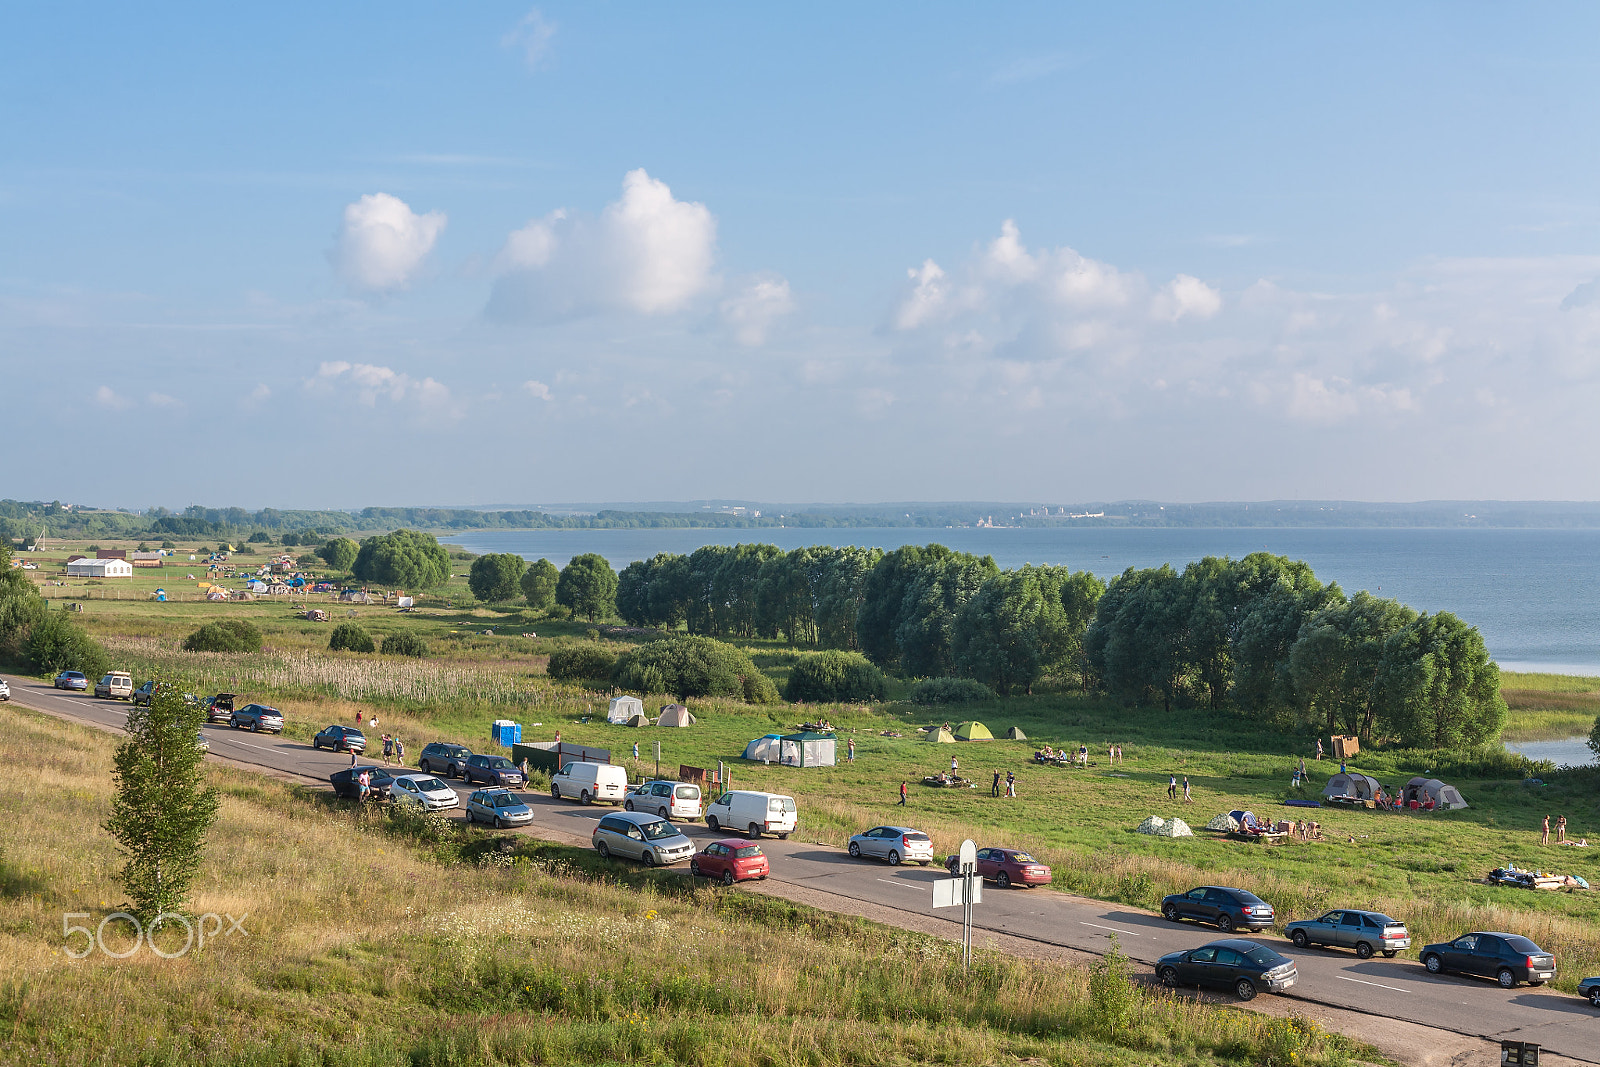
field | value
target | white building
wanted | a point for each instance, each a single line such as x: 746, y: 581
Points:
x: 99, y: 568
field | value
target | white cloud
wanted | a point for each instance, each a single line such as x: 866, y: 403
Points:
x: 261, y: 392
x: 1186, y: 295
x: 1335, y: 400
x: 927, y: 297
x: 753, y: 310
x: 162, y: 400
x: 371, y: 383
x: 665, y: 246
x: 536, y: 389
x: 382, y: 242
x: 532, y: 36
x: 107, y: 397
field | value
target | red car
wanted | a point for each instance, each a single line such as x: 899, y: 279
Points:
x: 1005, y: 867
x: 732, y: 859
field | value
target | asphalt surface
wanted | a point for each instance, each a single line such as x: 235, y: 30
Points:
x: 1398, y: 988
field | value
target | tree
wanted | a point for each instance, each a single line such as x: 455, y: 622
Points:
x: 496, y: 577
x: 834, y: 677
x: 348, y: 637
x: 260, y: 537
x: 633, y: 594
x: 227, y: 635
x: 339, y: 553
x: 587, y: 662
x: 693, y: 666
x: 404, y: 559
x: 1340, y: 663
x: 1137, y: 641
x: 56, y: 643
x: 405, y: 643
x: 1016, y: 629
x: 162, y: 809
x: 588, y: 586
x: 932, y: 600
x: 1442, y: 690
x: 539, y: 585
x: 883, y: 597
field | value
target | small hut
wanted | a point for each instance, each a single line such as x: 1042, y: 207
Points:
x: 973, y: 731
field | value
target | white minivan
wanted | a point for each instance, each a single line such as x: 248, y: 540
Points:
x: 753, y: 813
x: 589, y: 782
x: 670, y: 800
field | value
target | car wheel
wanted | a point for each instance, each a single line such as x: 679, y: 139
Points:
x: 627, y: 805
x: 1433, y: 963
x: 649, y: 858
x: 1169, y: 912
x: 1388, y: 953
x: 754, y: 832
x: 783, y: 837
x: 1506, y: 978
x: 694, y: 868
x: 1244, y: 989
x: 255, y: 727
x: 1363, y: 950
x: 1169, y: 977
x: 584, y: 798
x: 1594, y: 996
x: 855, y: 850
x: 712, y: 824
x: 555, y: 792
x: 499, y: 824
x: 1225, y: 923
x: 894, y: 858
x: 1004, y: 881
x: 1300, y: 939
x: 663, y: 813
x: 727, y: 877
x: 605, y: 852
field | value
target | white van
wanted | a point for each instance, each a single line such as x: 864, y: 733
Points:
x: 118, y: 685
x: 746, y: 811
x: 589, y: 782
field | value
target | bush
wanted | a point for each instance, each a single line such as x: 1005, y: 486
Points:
x: 834, y: 677
x: 348, y: 637
x: 228, y: 635
x: 693, y: 666
x: 56, y: 643
x: 581, y: 663
x: 168, y: 544
x: 950, y: 691
x: 405, y: 643
x: 290, y: 540
x: 260, y: 537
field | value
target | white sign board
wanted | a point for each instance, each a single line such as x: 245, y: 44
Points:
x: 951, y: 892
x: 969, y: 855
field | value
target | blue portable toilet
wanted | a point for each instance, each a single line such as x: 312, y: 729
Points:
x: 505, y: 732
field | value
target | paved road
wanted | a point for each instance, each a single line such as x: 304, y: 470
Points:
x: 1397, y: 988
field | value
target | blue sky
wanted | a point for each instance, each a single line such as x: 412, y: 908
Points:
x: 406, y: 254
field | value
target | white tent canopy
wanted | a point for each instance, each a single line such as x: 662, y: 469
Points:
x: 768, y: 749
x: 623, y: 709
x: 807, y: 750
x: 99, y: 568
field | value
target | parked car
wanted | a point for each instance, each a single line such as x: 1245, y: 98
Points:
x: 670, y: 800
x: 1005, y: 867
x: 1223, y: 907
x: 71, y: 680
x: 257, y: 717
x: 117, y: 685
x: 219, y: 708
x: 1243, y: 966
x: 1365, y: 931
x: 895, y: 844
x: 346, y: 783
x: 341, y: 739
x: 648, y: 838
x: 441, y: 757
x: 1509, y: 958
x: 589, y: 782
x: 5, y: 689
x: 1590, y: 987
x: 493, y: 770
x: 143, y: 694
x: 731, y: 860
x: 498, y: 808
x: 754, y: 812
x: 422, y: 791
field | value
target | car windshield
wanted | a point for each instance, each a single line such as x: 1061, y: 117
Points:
x: 657, y: 831
x: 499, y: 763
x: 456, y: 750
x: 1246, y: 897
x: 1523, y: 945
x: 1384, y: 920
x: 506, y: 800
x: 429, y: 785
x: 747, y: 851
x: 917, y: 835
x: 1264, y: 957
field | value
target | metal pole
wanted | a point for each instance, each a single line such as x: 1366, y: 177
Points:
x: 658, y: 759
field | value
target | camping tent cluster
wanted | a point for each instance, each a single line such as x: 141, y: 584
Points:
x: 972, y: 730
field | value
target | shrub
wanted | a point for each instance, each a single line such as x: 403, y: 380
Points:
x: 1116, y: 999
x: 582, y: 663
x: 348, y: 637
x: 834, y: 677
x: 693, y: 666
x: 260, y: 537
x: 290, y: 540
x: 227, y: 635
x: 168, y: 544
x: 405, y: 643
x: 339, y: 553
x: 950, y: 691
x: 56, y: 643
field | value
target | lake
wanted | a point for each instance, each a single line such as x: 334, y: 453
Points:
x: 1567, y: 752
x: 1534, y: 594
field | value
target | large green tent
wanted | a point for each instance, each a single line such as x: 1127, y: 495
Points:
x: 941, y: 735
x: 973, y: 731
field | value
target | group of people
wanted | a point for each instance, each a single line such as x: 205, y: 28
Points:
x: 1172, y: 788
x: 1305, y: 830
x: 1011, y: 784
x: 1561, y: 833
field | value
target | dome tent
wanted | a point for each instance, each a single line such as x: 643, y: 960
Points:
x: 973, y: 731
x: 639, y: 720
x: 767, y: 749
x: 1156, y: 826
x: 1224, y: 822
x: 940, y: 736
x: 1016, y: 734
x: 1351, y: 784
x: 624, y: 708
x: 675, y: 715
x: 1443, y: 797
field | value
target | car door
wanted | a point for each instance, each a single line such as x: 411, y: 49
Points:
x: 711, y: 861
x: 1349, y: 931
x: 876, y: 845
x: 1485, y: 956
x: 989, y: 863
x: 1195, y: 967
x: 1458, y: 954
x: 1225, y: 968
x: 634, y: 842
x: 1216, y: 904
x: 1325, y: 929
x: 1192, y: 903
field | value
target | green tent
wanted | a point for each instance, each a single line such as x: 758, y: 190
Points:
x: 940, y: 735
x: 1016, y: 734
x: 973, y: 731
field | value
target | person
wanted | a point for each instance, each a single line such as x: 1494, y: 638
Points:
x: 1302, y: 766
x: 358, y: 718
x: 1083, y: 755
x: 365, y: 784
x: 372, y: 723
x: 558, y: 738
x: 953, y: 765
x: 636, y: 750
x: 1319, y: 748
x: 902, y: 792
x: 352, y: 757
x: 388, y: 747
x: 1172, y: 787
x: 850, y: 751
x: 1119, y: 754
x: 1341, y: 768
x: 1544, y: 835
x: 994, y: 789
x: 523, y: 767
x: 399, y: 750
x: 1187, y: 799
x: 1561, y: 830
x: 1011, y: 784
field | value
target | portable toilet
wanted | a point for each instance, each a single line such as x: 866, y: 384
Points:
x: 505, y: 732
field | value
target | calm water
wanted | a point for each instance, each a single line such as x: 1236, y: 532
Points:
x: 1570, y: 752
x: 1534, y: 594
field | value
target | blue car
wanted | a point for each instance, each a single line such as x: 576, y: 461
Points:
x: 1226, y: 908
x: 72, y: 680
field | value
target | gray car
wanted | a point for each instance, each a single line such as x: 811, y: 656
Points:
x: 497, y: 807
x: 257, y: 717
x: 896, y: 844
x: 635, y: 835
x: 1365, y: 931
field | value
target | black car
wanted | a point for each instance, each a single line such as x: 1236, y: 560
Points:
x: 1242, y: 966
x: 493, y: 770
x: 257, y: 717
x: 445, y: 759
x: 1590, y: 988
x: 219, y: 708
x: 1510, y: 958
x: 346, y: 782
x: 1225, y: 908
x: 341, y: 739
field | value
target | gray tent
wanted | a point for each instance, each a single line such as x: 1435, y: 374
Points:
x: 675, y: 715
x: 639, y: 720
x: 1444, y: 797
x: 1351, y: 784
x: 1016, y: 734
x: 768, y: 749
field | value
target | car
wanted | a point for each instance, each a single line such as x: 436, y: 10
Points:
x: 1245, y: 967
x: 670, y: 800
x: 493, y: 770
x: 732, y: 860
x: 71, y: 680
x: 143, y: 694
x: 589, y: 782
x: 1006, y: 867
x: 5, y: 689
x: 757, y: 812
x: 498, y: 807
x: 635, y: 835
x: 441, y: 757
x: 1590, y: 988
x: 115, y: 685
x: 1222, y: 906
x: 896, y: 844
x: 1365, y: 931
x: 257, y: 717
x: 341, y: 739
x: 422, y: 791
x: 346, y: 783
x: 219, y: 708
x: 1507, y: 958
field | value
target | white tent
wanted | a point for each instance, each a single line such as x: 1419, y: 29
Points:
x: 624, y: 708
x: 1444, y: 797
x: 675, y: 715
x: 768, y: 749
x: 99, y: 568
x: 1351, y: 784
x: 807, y: 749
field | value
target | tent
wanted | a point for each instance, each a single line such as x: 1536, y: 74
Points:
x: 624, y: 708
x: 1156, y: 826
x: 638, y: 720
x: 675, y: 715
x: 1432, y: 792
x: 1016, y: 734
x: 973, y: 731
x: 768, y: 749
x: 1247, y: 821
x: 1224, y: 822
x: 939, y: 735
x: 1351, y: 784
x: 806, y: 749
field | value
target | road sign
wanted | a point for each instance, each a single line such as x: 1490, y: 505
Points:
x: 964, y: 890
x: 952, y: 892
x: 969, y: 856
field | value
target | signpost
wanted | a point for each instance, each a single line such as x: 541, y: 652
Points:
x: 965, y: 889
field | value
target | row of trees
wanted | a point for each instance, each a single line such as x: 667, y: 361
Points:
x: 43, y: 640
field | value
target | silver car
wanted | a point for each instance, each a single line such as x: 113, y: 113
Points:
x: 5, y: 689
x: 498, y: 808
x: 670, y: 800
x: 648, y: 838
x: 896, y: 844
x: 1365, y: 931
x: 422, y: 791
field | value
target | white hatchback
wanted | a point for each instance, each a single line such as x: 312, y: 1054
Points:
x: 422, y: 791
x: 670, y: 800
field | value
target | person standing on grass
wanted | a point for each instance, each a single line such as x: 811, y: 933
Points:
x: 1011, y: 784
x: 902, y: 793
x: 1561, y: 830
x: 1544, y: 836
x: 850, y: 751
x: 1187, y: 799
x: 1319, y: 748
x: 953, y: 766
x: 1172, y: 787
x: 994, y: 790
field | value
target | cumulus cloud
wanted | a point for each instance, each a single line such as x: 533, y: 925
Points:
x: 1186, y: 295
x: 648, y: 253
x: 536, y: 389
x: 382, y: 242
x: 1335, y: 399
x: 532, y: 37
x: 372, y: 383
x: 754, y: 309
x: 162, y: 400
x: 108, y: 397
